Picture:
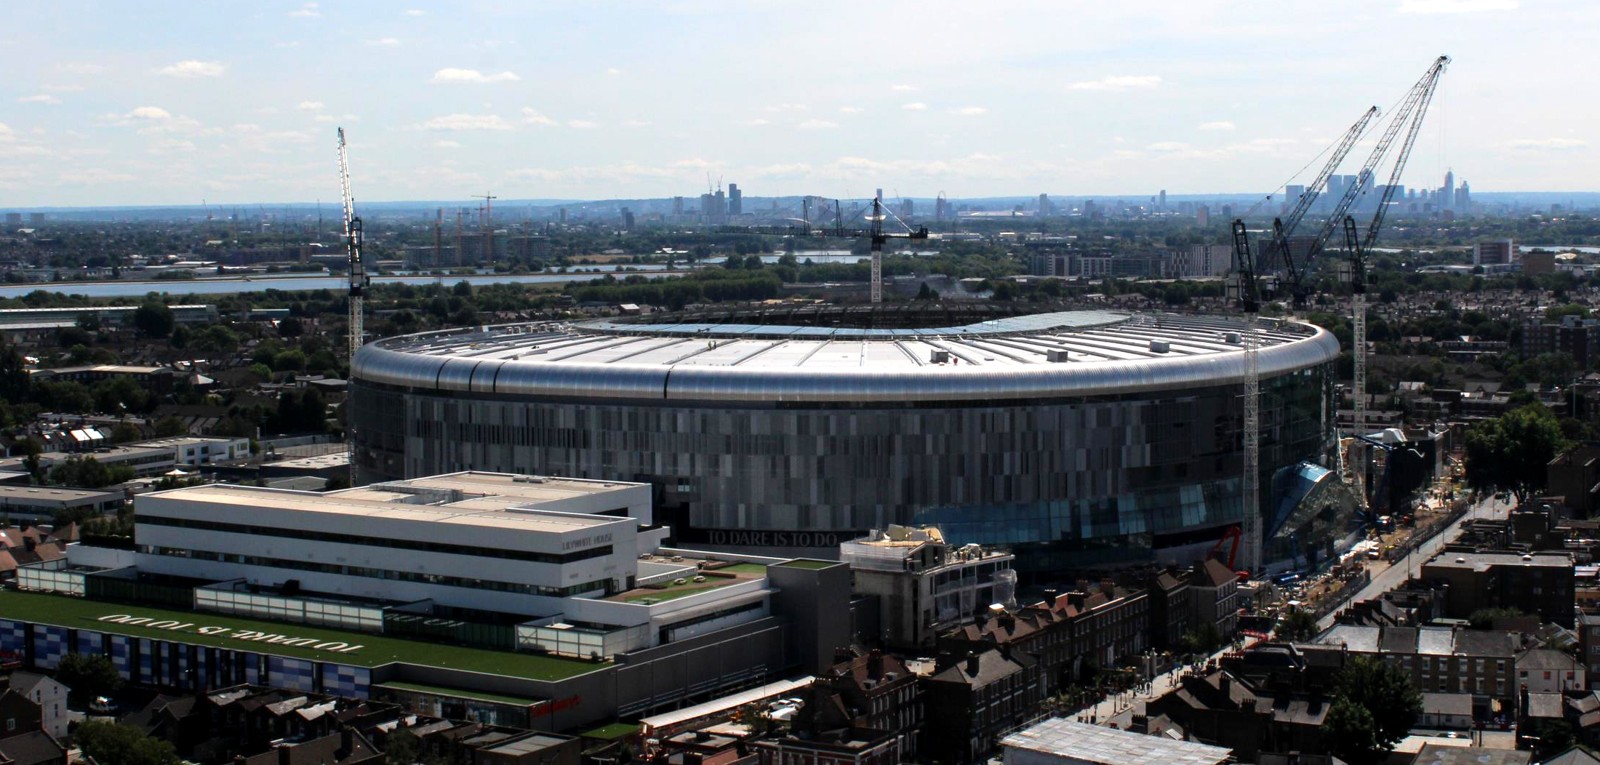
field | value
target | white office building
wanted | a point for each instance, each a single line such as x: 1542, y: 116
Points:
x: 492, y: 542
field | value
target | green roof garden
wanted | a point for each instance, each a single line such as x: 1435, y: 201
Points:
x: 808, y: 563
x: 232, y: 632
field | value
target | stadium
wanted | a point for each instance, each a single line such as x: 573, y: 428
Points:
x: 1077, y: 438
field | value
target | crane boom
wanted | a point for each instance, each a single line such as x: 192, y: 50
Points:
x: 358, y: 284
x: 1283, y: 228
x: 1422, y: 89
x: 873, y: 232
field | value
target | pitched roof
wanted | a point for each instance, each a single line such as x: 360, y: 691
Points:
x: 1574, y: 756
x: 32, y: 748
x: 1546, y: 659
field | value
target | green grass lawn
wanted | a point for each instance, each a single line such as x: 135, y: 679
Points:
x: 65, y: 611
x: 612, y: 731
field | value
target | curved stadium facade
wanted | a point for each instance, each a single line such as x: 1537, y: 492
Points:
x: 1076, y: 438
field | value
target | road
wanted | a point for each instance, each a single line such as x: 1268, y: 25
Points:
x: 1384, y: 580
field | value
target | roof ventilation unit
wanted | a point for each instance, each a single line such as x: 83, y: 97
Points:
x: 1160, y: 346
x: 939, y: 357
x: 1057, y: 356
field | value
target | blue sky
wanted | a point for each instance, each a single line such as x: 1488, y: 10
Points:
x: 171, y: 103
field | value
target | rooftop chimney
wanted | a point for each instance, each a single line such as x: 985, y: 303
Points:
x: 1076, y: 598
x: 972, y: 664
x: 875, y: 664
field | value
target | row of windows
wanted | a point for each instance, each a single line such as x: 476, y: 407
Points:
x: 378, y: 573
x: 356, y: 539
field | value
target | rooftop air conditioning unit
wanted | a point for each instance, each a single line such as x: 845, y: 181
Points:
x: 1160, y: 346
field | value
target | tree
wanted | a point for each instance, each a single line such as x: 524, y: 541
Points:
x: 1510, y: 452
x: 1349, y: 733
x: 154, y: 319
x: 122, y: 744
x: 1297, y: 625
x: 1384, y: 701
x: 926, y: 293
x: 124, y: 432
x: 169, y: 426
x: 88, y: 676
x: 1484, y: 618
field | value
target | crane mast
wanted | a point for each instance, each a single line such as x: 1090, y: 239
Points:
x: 1249, y: 299
x: 1417, y: 106
x: 358, y: 285
x: 877, y: 250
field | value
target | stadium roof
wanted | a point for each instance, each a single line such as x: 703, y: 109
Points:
x: 1030, y: 356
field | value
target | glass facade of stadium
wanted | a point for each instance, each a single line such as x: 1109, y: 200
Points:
x: 1146, y: 477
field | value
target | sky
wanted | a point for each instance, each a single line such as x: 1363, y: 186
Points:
x: 161, y: 103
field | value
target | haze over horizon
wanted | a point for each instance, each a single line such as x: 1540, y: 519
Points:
x: 166, y: 103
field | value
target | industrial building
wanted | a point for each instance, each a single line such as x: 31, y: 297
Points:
x: 1074, y: 438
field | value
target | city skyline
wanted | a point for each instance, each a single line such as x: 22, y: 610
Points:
x: 171, y: 105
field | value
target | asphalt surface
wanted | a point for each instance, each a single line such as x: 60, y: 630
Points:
x: 1386, y: 579
x: 1117, y: 706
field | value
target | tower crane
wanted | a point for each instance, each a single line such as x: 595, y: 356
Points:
x: 1414, y: 97
x: 358, y: 283
x: 1282, y: 228
x: 488, y: 225
x: 873, y: 232
x: 1249, y: 300
x: 1417, y: 106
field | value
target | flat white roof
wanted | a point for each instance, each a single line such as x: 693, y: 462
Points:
x: 1092, y: 743
x: 492, y: 500
x: 40, y: 492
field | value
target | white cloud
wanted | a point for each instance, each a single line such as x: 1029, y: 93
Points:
x: 778, y: 108
x: 467, y: 122
x: 149, y: 113
x: 849, y: 110
x: 902, y: 88
x: 582, y: 124
x: 309, y: 106
x: 6, y: 133
x: 82, y: 67
x: 1218, y: 125
x: 533, y: 117
x: 636, y: 123
x: 972, y: 111
x: 384, y: 42
x: 192, y: 68
x: 447, y: 144
x: 614, y: 72
x: 1547, y: 144
x: 415, y: 12
x: 62, y: 88
x: 1116, y: 83
x: 816, y: 125
x: 757, y: 122
x: 471, y: 76
x: 307, y: 11
x: 1168, y: 146
x: 915, y: 106
x: 43, y: 98
x: 93, y: 176
x: 1457, y: 6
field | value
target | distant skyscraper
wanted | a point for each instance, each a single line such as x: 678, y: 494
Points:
x: 627, y: 219
x: 1464, y: 198
x: 880, y: 195
x: 941, y: 208
x: 677, y: 205
x: 1202, y: 216
x: 1447, y: 195
x: 1163, y: 204
x: 907, y: 208
x: 1291, y: 196
x: 1046, y: 207
x: 735, y: 199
